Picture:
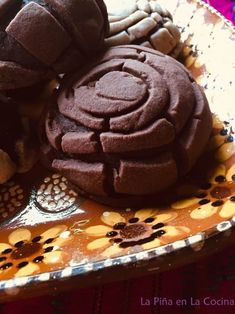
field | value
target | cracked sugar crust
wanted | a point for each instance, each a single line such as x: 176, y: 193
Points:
x: 142, y: 22
x: 41, y: 39
x: 129, y: 125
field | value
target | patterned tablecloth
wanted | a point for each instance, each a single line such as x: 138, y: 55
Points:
x: 204, y: 287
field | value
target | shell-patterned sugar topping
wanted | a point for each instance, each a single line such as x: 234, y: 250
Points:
x: 132, y: 138
x: 142, y: 22
x: 43, y: 38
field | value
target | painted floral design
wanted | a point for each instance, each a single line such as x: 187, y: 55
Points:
x: 189, y: 53
x: 12, y: 197
x: 222, y: 139
x: 26, y: 253
x: 54, y: 194
x: 217, y: 195
x: 147, y: 228
x: 208, y: 201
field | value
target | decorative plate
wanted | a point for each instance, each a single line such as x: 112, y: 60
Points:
x: 52, y: 239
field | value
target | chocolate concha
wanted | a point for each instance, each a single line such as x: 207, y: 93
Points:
x: 128, y: 126
x: 142, y: 22
x: 43, y: 38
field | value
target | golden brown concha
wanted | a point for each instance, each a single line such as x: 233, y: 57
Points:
x: 142, y: 22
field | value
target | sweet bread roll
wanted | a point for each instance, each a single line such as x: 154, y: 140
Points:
x: 128, y: 126
x: 41, y: 39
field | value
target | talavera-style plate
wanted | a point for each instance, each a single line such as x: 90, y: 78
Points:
x: 52, y: 239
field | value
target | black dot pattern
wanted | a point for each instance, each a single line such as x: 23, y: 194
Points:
x: 117, y: 240
x: 159, y: 233
x: 217, y: 203
x: 229, y: 139
x: 223, y: 132
x: 6, y: 266
x: 49, y: 249
x: 48, y: 241
x: 21, y: 265
x: 36, y: 239
x: 19, y: 244
x: 220, y: 179
x: 38, y: 259
x: 204, y: 201
x: 111, y: 234
x: 158, y: 226
x: 119, y: 226
x: 7, y: 251
x: 133, y: 220
x: 149, y: 220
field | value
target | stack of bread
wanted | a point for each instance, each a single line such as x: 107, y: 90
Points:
x: 125, y: 122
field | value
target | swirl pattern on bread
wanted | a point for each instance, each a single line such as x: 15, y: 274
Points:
x: 129, y: 125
